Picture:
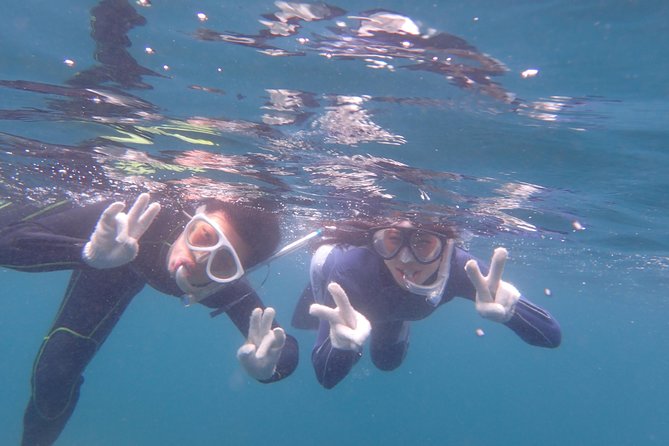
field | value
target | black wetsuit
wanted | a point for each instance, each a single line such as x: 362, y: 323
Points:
x: 52, y: 239
x: 389, y: 308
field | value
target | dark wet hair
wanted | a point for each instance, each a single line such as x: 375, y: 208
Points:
x: 357, y: 231
x: 256, y: 223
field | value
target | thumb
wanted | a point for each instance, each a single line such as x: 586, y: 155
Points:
x: 344, y: 307
x: 325, y: 313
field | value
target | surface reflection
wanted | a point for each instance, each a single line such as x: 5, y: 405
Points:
x: 312, y: 150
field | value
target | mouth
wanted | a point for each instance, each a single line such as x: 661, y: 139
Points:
x: 179, y: 262
x: 408, y: 274
x: 193, y: 292
x: 197, y: 279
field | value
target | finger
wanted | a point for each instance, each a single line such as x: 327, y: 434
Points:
x: 346, y: 310
x: 279, y: 337
x: 138, y: 208
x: 147, y: 218
x: 271, y: 341
x: 254, y: 326
x: 325, y: 313
x: 496, y: 269
x: 477, y: 279
x: 266, y: 320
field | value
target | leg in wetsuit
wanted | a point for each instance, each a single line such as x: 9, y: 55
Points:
x: 93, y: 304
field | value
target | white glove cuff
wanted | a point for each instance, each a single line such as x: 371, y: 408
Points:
x: 507, y: 295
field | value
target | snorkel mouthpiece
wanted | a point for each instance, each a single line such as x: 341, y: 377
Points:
x: 192, y: 293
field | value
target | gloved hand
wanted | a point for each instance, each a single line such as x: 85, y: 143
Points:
x: 495, y: 299
x: 348, y: 328
x: 114, y: 241
x: 263, y: 346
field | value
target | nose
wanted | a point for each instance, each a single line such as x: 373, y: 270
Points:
x: 405, y: 255
x: 200, y: 256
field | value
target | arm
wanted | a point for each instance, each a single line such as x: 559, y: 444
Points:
x: 48, y: 241
x: 238, y: 301
x: 535, y: 325
x: 347, y: 330
x: 506, y: 305
x: 333, y: 358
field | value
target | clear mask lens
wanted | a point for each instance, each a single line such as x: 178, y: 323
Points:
x: 223, y: 265
x: 425, y: 246
x: 202, y: 234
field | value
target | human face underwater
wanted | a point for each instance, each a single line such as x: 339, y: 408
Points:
x: 413, y: 256
x: 207, y: 255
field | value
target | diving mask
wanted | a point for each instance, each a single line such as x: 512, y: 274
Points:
x: 426, y: 246
x: 434, y: 292
x: 205, y: 238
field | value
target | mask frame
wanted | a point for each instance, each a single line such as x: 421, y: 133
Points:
x: 209, y: 253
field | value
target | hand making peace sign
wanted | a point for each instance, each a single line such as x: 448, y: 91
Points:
x: 495, y: 298
x: 348, y: 328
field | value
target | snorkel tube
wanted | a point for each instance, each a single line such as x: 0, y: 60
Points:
x: 290, y: 247
x: 435, y: 291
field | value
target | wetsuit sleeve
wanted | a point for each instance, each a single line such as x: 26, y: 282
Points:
x: 49, y: 243
x: 238, y: 301
x: 331, y: 364
x: 533, y: 324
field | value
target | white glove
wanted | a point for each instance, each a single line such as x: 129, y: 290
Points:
x: 114, y: 241
x: 348, y: 328
x: 501, y: 307
x: 263, y: 346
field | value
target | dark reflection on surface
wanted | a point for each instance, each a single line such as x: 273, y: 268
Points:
x: 379, y: 38
x: 111, y: 20
x: 285, y: 22
x: 94, y: 104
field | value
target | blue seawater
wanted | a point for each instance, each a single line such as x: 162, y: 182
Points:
x: 566, y: 166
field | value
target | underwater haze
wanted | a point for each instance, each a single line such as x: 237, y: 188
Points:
x: 540, y: 126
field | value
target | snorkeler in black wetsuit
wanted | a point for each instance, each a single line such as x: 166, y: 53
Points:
x: 54, y: 239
